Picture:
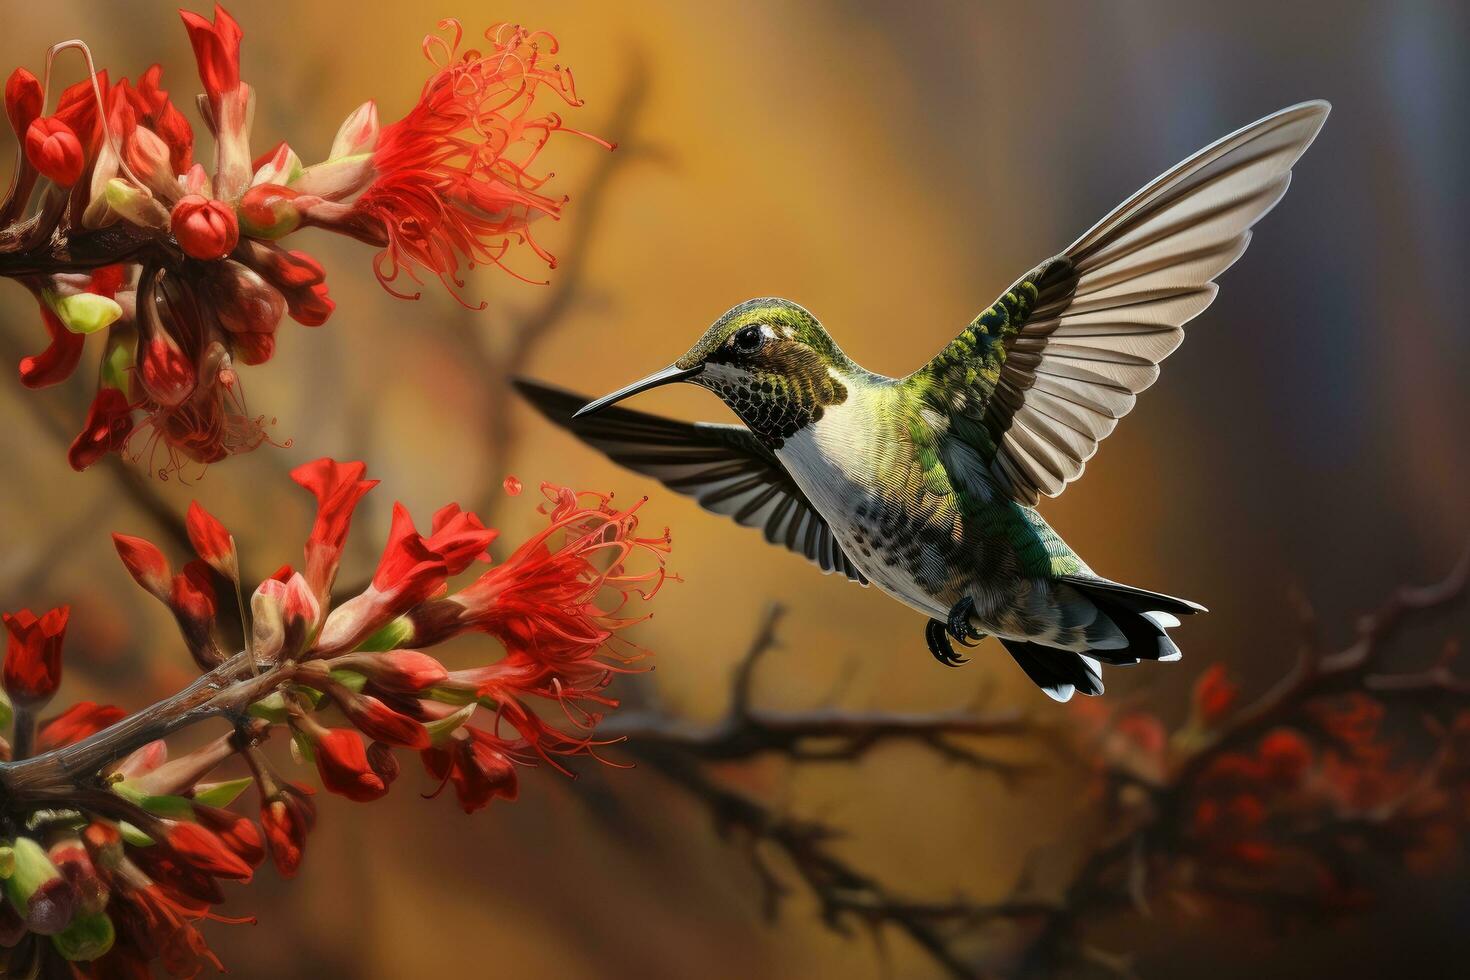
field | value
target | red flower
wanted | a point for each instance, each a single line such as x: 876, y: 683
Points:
x: 156, y: 112
x: 23, y: 100
x: 216, y: 49
x: 57, y: 362
x: 145, y: 563
x: 109, y: 424
x: 1214, y: 695
x: 1286, y: 756
x: 80, y: 721
x: 547, y: 601
x: 287, y: 817
x: 205, y: 229
x: 341, y: 760
x: 54, y: 150
x: 205, y: 851
x: 337, y: 487
x: 453, y: 182
x: 459, y: 537
x: 412, y: 569
x: 475, y: 763
x: 33, y: 654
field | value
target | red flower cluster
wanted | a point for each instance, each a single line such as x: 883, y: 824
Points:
x: 1283, y: 812
x: 110, y: 875
x: 178, y: 262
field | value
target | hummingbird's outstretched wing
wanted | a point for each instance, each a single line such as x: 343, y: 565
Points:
x: 724, y: 467
x: 1036, y: 381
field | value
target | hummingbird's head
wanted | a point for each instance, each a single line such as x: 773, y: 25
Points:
x: 770, y: 360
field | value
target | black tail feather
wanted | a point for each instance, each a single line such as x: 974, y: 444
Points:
x: 1143, y: 617
x: 1057, y: 672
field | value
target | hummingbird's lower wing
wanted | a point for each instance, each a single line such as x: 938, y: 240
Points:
x: 724, y: 467
x: 1036, y: 381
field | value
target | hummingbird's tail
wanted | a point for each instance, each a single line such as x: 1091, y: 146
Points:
x: 1144, y: 618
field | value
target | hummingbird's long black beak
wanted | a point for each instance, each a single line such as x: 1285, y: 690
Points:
x: 666, y: 376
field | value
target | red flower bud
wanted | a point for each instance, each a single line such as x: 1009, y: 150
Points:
x: 212, y: 541
x: 109, y: 423
x: 397, y: 670
x: 1286, y: 756
x: 269, y: 211
x: 383, y: 761
x: 287, y: 817
x: 54, y: 150
x: 238, y: 833
x: 206, y: 851
x: 166, y: 374
x: 57, y: 362
x: 1214, y: 695
x: 342, y: 761
x: 192, y: 599
x: 33, y: 655
x: 255, y: 348
x: 82, y: 720
x: 311, y: 306
x: 23, y: 100
x: 378, y: 721
x: 145, y: 563
x: 206, y: 229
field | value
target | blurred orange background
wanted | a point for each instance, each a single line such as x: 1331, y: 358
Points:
x: 892, y: 168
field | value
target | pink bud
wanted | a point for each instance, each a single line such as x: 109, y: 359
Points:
x: 206, y: 229
x: 149, y: 157
x: 55, y: 151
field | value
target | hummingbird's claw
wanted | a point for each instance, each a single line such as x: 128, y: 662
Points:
x: 959, y: 623
x: 938, y: 639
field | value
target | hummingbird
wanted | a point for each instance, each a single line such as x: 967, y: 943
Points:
x: 926, y: 486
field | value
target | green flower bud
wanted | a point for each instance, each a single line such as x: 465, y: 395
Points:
x: 120, y: 358
x: 135, y: 205
x: 36, y: 889
x: 221, y: 794
x: 87, y: 313
x: 89, y: 937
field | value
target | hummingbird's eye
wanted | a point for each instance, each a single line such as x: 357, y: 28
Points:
x: 748, y: 339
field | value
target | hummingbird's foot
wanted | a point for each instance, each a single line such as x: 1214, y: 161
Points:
x: 939, y: 645
x: 959, y: 623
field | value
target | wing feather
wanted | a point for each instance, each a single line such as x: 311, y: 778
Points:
x: 724, y: 467
x: 1062, y: 355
